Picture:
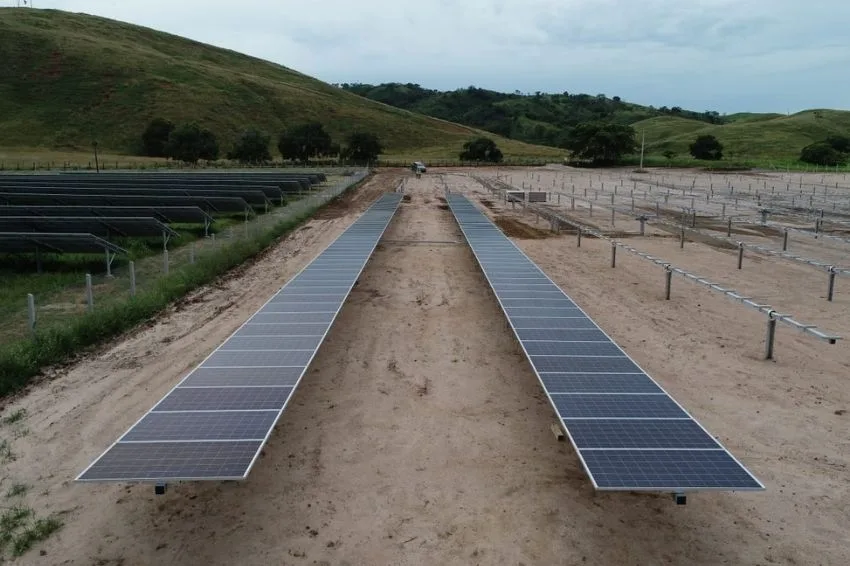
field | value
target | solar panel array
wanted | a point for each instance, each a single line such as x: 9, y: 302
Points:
x: 213, y: 425
x: 628, y: 432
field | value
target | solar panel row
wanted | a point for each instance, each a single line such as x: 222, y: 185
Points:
x: 629, y: 433
x: 214, y: 423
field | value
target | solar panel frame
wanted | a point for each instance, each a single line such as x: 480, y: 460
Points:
x: 587, y: 404
x: 259, y: 388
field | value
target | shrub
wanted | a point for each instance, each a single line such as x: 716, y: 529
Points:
x: 707, y: 147
x: 481, y: 149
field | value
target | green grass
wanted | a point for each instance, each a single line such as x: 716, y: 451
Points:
x: 20, y: 529
x: 15, y: 417
x: 67, y: 79
x: 23, y: 358
x: 17, y: 490
x: 761, y: 139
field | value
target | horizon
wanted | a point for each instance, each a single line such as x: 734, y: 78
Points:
x: 695, y: 47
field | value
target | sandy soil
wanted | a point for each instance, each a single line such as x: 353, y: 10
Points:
x: 421, y: 435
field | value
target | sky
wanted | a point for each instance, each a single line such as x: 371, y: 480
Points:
x: 724, y: 55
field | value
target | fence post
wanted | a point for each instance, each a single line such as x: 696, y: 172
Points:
x: 89, y: 294
x: 668, y: 281
x: 31, y: 309
x: 729, y: 229
x: 771, y: 335
x: 740, y: 255
x: 612, y: 217
x: 591, y: 210
x: 579, y: 238
x: 613, y: 255
x: 682, y: 238
x: 192, y: 252
x: 165, y: 261
x: 132, y: 278
x: 785, y: 241
x: 831, y: 291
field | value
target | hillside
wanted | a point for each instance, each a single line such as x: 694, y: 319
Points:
x: 549, y: 118
x: 749, y: 137
x: 534, y: 118
x: 67, y: 79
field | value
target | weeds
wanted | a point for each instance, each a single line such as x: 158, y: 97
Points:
x: 15, y: 417
x: 6, y: 454
x: 20, y: 529
x: 23, y: 359
x: 17, y: 490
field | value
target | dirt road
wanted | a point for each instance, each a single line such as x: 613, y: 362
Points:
x: 421, y: 435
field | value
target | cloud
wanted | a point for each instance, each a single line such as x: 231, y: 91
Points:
x: 725, y: 55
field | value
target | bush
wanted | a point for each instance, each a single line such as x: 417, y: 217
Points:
x: 155, y: 137
x: 839, y: 143
x: 363, y: 147
x: 304, y: 141
x: 821, y: 153
x: 189, y: 143
x: 481, y: 149
x: 252, y: 147
x: 601, y: 143
x: 707, y: 147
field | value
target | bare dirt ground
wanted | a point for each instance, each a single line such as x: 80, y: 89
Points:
x: 421, y: 435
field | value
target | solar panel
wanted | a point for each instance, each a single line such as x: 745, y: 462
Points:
x: 213, y: 424
x: 28, y: 242
x: 629, y: 433
x: 99, y: 226
x: 212, y: 204
x: 252, y: 197
x: 181, y: 214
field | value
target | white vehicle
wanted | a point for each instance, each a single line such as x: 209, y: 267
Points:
x: 418, y: 167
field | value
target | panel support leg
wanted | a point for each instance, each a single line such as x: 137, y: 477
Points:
x: 160, y: 489
x: 681, y: 498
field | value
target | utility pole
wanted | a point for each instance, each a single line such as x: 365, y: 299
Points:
x: 642, y: 144
x: 96, y: 165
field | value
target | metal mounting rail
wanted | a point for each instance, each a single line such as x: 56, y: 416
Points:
x: 809, y: 329
x: 826, y: 267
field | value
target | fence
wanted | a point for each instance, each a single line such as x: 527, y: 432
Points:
x: 31, y: 313
x: 773, y: 317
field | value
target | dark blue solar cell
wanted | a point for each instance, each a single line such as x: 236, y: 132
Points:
x: 225, y: 399
x: 173, y: 461
x: 225, y: 425
x: 684, y: 433
x: 605, y: 348
x: 551, y: 323
x: 667, y: 470
x: 598, y: 383
x: 578, y: 364
x: 577, y: 335
x: 624, y: 406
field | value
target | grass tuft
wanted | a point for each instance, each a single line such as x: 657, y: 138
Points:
x: 15, y: 417
x: 17, y: 490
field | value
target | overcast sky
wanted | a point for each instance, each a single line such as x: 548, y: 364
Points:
x: 724, y: 55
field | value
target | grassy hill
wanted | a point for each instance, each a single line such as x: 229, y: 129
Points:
x: 749, y: 137
x: 66, y: 79
x: 549, y: 118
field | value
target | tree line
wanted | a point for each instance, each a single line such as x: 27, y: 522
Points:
x: 190, y: 143
x: 540, y: 118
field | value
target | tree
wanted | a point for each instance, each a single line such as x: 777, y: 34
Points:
x: 362, y: 147
x: 839, y: 143
x: 252, y: 147
x: 188, y: 142
x: 669, y: 154
x: 481, y: 149
x: 821, y: 153
x: 304, y: 141
x: 209, y: 146
x: 707, y: 147
x: 155, y: 137
x: 601, y: 143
